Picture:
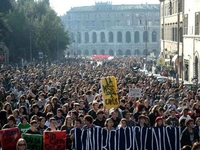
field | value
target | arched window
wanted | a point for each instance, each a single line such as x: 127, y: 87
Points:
x: 119, y: 37
x: 86, y: 37
x: 137, y: 52
x: 145, y: 36
x: 79, y: 37
x: 128, y: 52
x: 136, y: 37
x: 94, y: 37
x: 94, y: 52
x: 119, y: 52
x: 102, y: 37
x: 110, y: 35
x: 154, y: 36
x: 102, y: 52
x: 86, y: 52
x: 111, y: 53
x: 128, y: 37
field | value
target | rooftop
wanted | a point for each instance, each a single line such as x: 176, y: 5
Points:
x: 102, y: 6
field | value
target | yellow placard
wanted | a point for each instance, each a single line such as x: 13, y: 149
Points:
x: 161, y: 61
x: 109, y: 92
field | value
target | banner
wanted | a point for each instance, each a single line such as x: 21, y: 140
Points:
x: 9, y: 138
x: 129, y: 138
x: 135, y: 92
x: 54, y: 140
x: 34, y: 141
x: 109, y: 92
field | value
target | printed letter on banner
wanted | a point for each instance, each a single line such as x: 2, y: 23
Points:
x: 9, y: 138
x: 34, y: 141
x: 109, y: 91
x: 54, y: 140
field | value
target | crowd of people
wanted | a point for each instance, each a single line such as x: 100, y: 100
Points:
x: 50, y: 97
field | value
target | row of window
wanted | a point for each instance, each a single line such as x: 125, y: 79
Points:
x: 137, y: 52
x: 197, y: 24
x: 119, y: 37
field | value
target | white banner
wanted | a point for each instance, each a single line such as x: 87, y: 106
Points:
x: 135, y: 92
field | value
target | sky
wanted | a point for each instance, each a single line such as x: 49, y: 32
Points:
x: 62, y: 6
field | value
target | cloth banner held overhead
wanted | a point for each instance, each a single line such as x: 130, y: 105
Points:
x: 9, y: 138
x: 55, y: 140
x: 109, y: 92
x: 135, y: 92
x: 34, y: 141
x: 129, y: 138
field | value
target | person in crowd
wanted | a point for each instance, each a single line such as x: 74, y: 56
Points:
x: 36, y: 111
x: 47, y: 109
x: 185, y: 114
x: 21, y: 144
x: 99, y: 121
x: 67, y: 126
x: 11, y: 122
x: 154, y: 114
x: 24, y: 125
x: 22, y: 111
x: 59, y: 118
x: 88, y: 122
x: 159, y: 122
x: 65, y: 109
x: 8, y: 108
x: 33, y: 128
x: 95, y: 107
x: 189, y: 135
x: 109, y: 124
x: 122, y: 124
x: 172, y: 120
x: 142, y: 121
x: 140, y: 110
x: 17, y: 116
x: 41, y: 101
x: 23, y: 102
x: 42, y: 125
x: 3, y: 118
x: 115, y: 119
x: 53, y: 125
x: 126, y: 115
x: 48, y: 117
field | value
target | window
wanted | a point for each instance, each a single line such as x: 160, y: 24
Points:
x: 119, y: 37
x: 136, y: 37
x: 94, y: 37
x: 154, y: 36
x: 128, y: 37
x: 128, y: 22
x: 181, y: 34
x: 79, y: 37
x: 197, y: 21
x: 145, y: 36
x: 86, y: 37
x: 102, y: 23
x: 110, y: 37
x: 186, y: 24
x: 102, y: 37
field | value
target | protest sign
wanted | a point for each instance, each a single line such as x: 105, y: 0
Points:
x: 135, y: 92
x: 54, y: 140
x: 109, y: 92
x: 9, y: 138
x: 34, y: 141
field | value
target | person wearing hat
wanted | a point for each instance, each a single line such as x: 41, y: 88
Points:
x: 159, y: 122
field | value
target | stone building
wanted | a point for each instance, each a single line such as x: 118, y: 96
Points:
x: 114, y: 29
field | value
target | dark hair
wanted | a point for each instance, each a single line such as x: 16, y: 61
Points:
x: 100, y: 112
x: 11, y: 117
x: 35, y: 105
x: 89, y: 118
x: 34, y: 117
x: 60, y: 110
x: 79, y: 120
x: 24, y: 117
x: 52, y: 119
x: 75, y: 113
x: 195, y: 146
x: 24, y: 108
x: 40, y: 118
x: 187, y: 122
x: 49, y: 115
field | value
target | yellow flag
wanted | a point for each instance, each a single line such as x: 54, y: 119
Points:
x: 109, y: 92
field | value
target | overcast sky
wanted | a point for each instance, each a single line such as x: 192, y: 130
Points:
x: 61, y: 6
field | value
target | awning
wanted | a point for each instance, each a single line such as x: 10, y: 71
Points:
x: 174, y: 58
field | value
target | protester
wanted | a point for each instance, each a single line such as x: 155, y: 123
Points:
x: 21, y: 144
x: 33, y: 128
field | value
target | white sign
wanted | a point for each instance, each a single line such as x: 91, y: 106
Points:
x: 135, y: 92
x: 40, y: 55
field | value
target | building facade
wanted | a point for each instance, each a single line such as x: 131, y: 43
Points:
x: 191, y: 40
x: 114, y: 29
x: 172, y: 33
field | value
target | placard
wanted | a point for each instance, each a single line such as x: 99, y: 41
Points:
x: 9, y: 138
x: 135, y: 92
x: 54, y: 140
x: 34, y: 141
x: 109, y: 92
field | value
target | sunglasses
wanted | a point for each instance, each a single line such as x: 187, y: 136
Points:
x: 22, y: 144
